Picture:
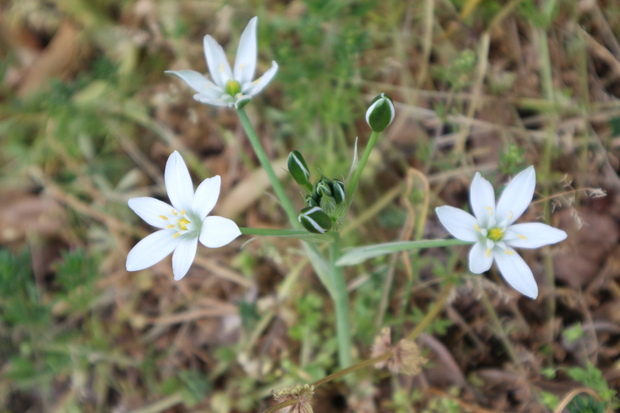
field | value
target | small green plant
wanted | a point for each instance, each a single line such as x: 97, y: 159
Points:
x: 592, y: 378
x: 512, y: 159
x: 586, y: 404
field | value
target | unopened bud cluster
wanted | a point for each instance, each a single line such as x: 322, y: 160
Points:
x: 325, y: 200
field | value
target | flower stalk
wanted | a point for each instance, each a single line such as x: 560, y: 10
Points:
x: 264, y: 161
x: 352, y: 184
x: 334, y: 278
x: 340, y: 297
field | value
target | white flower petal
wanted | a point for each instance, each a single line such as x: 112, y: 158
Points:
x: 218, y: 231
x: 517, y: 196
x: 213, y: 101
x: 482, y: 199
x: 259, y: 84
x: 480, y: 258
x: 458, y: 223
x: 151, y: 210
x: 150, y: 250
x: 178, y: 182
x: 370, y: 109
x: 516, y: 272
x: 206, y: 196
x: 241, y: 100
x: 533, y: 235
x: 196, y: 81
x: 245, y: 61
x: 183, y: 256
x: 217, y: 62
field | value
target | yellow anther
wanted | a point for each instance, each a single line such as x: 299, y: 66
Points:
x: 509, y: 252
x: 174, y: 212
x: 242, y: 65
x: 510, y: 215
x: 182, y: 212
x: 221, y: 67
x: 163, y: 217
x: 488, y: 253
x: 170, y: 226
x: 182, y: 223
x: 523, y: 237
x: 490, y: 210
x: 176, y: 234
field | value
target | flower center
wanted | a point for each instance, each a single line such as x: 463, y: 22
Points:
x: 178, y: 221
x: 495, y: 234
x: 233, y: 87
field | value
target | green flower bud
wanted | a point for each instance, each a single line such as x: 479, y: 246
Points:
x: 298, y: 168
x: 311, y: 202
x: 323, y: 188
x: 338, y: 191
x: 380, y: 113
x: 315, y: 220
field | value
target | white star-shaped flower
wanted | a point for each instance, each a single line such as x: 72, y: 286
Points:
x: 182, y: 224
x: 229, y: 88
x: 493, y: 232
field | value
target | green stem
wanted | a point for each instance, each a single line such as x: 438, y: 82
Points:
x: 352, y: 186
x: 269, y: 232
x: 357, y: 366
x: 340, y: 295
x: 331, y: 276
x: 264, y: 161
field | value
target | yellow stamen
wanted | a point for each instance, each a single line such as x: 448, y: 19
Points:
x: 476, y: 227
x: 176, y: 235
x: 488, y: 253
x: 241, y: 66
x: 174, y: 212
x: 182, y: 212
x: 170, y: 226
x: 221, y: 67
x: 510, y: 215
x: 523, y: 237
x: 163, y: 217
x: 509, y: 252
x: 182, y: 223
x: 490, y: 210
